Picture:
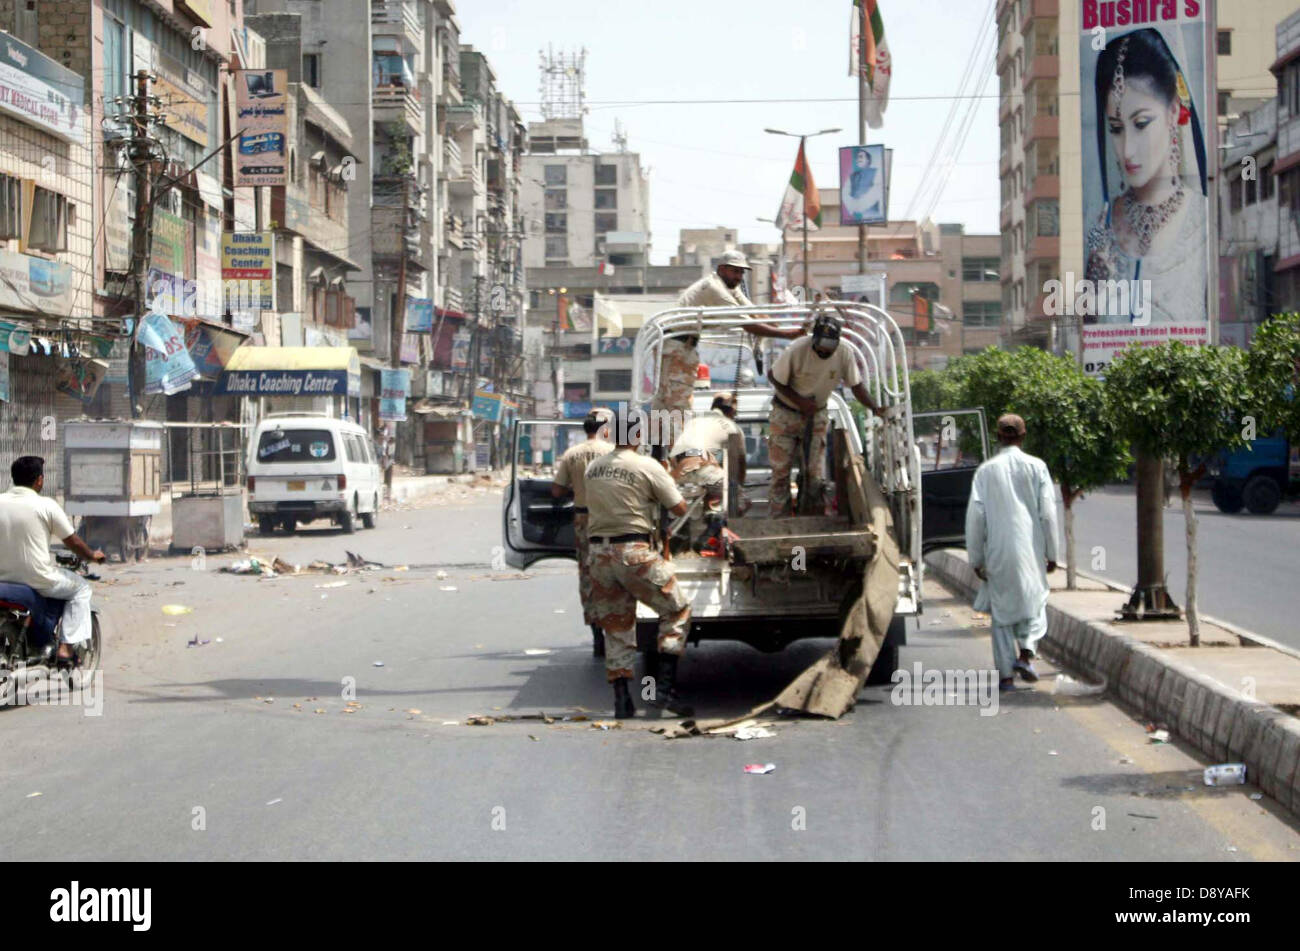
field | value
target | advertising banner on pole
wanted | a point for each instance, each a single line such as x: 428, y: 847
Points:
x: 395, y: 387
x: 168, y: 365
x: 250, y: 256
x: 1145, y: 102
x: 864, y: 184
x: 262, y: 122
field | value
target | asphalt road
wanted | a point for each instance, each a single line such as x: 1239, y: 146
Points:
x: 1248, y: 565
x: 189, y: 761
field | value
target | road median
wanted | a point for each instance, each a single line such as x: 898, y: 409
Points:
x: 1233, y: 698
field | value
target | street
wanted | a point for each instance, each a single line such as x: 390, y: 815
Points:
x: 1247, y: 563
x: 217, y: 751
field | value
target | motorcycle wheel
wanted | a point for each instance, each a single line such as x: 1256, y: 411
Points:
x: 89, y: 657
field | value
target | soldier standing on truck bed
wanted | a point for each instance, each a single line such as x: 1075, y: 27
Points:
x: 569, y: 480
x: 805, y: 375
x: 624, y: 492
x: 680, y: 360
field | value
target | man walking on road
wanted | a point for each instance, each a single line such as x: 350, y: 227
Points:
x: 569, y: 480
x: 680, y: 360
x: 1011, y: 539
x: 624, y: 492
x: 804, y: 376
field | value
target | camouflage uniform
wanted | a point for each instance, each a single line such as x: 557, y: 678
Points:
x: 785, y: 447
x: 569, y: 473
x: 623, y: 574
x: 700, y: 476
x: 677, y: 370
x: 584, y: 570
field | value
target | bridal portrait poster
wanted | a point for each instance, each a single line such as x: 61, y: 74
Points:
x: 1145, y: 103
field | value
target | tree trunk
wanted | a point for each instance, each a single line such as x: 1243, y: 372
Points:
x: 1150, y: 596
x: 1189, y: 516
x: 1071, y: 577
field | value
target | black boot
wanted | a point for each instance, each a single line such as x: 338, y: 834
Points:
x: 665, y: 693
x: 623, y: 708
x: 597, y: 641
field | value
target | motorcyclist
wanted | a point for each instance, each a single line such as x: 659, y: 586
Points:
x: 28, y: 521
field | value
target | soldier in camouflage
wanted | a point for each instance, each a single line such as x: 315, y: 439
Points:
x: 624, y: 492
x: 569, y: 472
x: 680, y: 360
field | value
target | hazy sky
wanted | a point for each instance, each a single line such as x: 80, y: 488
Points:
x: 711, y: 163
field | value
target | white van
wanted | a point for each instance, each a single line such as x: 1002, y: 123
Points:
x: 308, y: 466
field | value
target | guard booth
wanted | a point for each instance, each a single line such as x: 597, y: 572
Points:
x: 208, y: 505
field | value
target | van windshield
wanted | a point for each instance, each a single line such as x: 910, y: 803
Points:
x: 296, y: 445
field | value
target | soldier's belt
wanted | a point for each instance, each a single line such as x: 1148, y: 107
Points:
x: 697, y: 454
x: 619, y: 539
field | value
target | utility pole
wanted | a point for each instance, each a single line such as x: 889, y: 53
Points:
x: 862, y: 140
x: 142, y: 155
x: 399, y: 318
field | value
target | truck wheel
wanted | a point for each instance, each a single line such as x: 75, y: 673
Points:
x: 1262, y: 495
x: 882, y: 671
x: 289, y: 524
x: 347, y: 522
x: 1226, y: 498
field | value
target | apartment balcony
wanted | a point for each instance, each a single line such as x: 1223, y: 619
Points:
x: 1006, y: 49
x: 1043, y: 66
x: 1004, y: 217
x: 1042, y: 126
x: 392, y: 232
x: 468, y: 183
x: 1004, y: 162
x: 454, y: 231
x: 1043, y: 248
x: 397, y: 18
x: 452, y: 299
x: 394, y: 103
x: 450, y: 94
x: 1005, y: 107
x: 451, y: 159
x: 465, y: 115
x: 1044, y: 186
x: 1039, y: 9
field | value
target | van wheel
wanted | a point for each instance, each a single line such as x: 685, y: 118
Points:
x: 368, y: 519
x: 347, y: 522
x: 1261, y: 495
x: 266, y: 524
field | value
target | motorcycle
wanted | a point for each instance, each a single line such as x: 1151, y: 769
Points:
x: 30, y: 634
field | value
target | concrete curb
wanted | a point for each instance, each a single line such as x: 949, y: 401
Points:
x: 1211, y: 716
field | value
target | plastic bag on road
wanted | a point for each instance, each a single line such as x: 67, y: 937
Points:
x: 1067, y: 686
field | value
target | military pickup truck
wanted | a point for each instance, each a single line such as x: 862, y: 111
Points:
x: 852, y: 568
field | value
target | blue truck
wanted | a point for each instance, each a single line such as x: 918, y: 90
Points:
x: 1257, y: 478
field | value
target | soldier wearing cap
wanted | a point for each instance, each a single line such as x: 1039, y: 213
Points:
x: 695, y: 460
x: 569, y: 473
x: 1011, y: 540
x: 624, y: 492
x: 804, y: 376
x: 680, y: 360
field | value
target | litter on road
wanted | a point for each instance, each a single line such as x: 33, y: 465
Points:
x: 378, y: 663
x: 174, y: 610
x: 1226, y: 774
x: 536, y: 651
x: 753, y: 733
x: 760, y: 769
x: 1066, y: 685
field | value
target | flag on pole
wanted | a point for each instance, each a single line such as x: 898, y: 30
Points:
x: 801, y: 199
x: 869, y: 56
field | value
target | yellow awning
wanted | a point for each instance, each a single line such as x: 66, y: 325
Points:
x: 248, y: 358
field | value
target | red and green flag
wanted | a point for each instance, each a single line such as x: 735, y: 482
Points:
x: 869, y: 57
x: 801, y: 201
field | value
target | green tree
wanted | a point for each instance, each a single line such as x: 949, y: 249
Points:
x: 933, y: 390
x: 1179, y: 402
x: 1070, y: 427
x: 1274, y: 362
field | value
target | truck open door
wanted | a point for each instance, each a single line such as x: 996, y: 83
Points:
x: 535, y: 524
x: 952, y: 444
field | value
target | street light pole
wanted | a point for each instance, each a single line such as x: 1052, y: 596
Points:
x: 807, y: 287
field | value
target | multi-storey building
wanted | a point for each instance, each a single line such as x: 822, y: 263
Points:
x: 1286, y: 166
x: 1040, y: 168
x: 1248, y: 223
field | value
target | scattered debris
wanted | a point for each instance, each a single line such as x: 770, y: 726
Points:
x: 274, y: 801
x: 559, y: 610
x: 533, y: 738
x: 440, y: 575
x: 378, y: 663
x: 1256, y: 796
x: 174, y: 610
x: 1158, y: 736
x: 1138, y: 815
x: 220, y: 640
x: 448, y: 587
x: 195, y: 642
x: 33, y: 795
x: 760, y: 769
x: 333, y: 584
x: 606, y: 725
x: 451, y: 723
x: 753, y: 733
x: 1226, y: 774
x: 1069, y: 687
x: 1053, y: 753
x: 413, y: 712
x: 269, y: 700
x: 536, y: 651
x: 479, y: 721
x: 318, y: 710
x: 1126, y: 760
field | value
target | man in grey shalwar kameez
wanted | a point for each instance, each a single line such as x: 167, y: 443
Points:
x: 1011, y: 538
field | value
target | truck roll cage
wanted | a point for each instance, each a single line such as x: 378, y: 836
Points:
x: 890, y: 450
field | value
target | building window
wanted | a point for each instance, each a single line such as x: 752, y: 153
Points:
x: 608, y: 381
x: 1048, y: 215
x: 556, y: 174
x: 1224, y: 42
x: 980, y: 270
x: 557, y: 246
x: 557, y: 199
x: 1249, y: 188
x: 49, y: 227
x: 976, y: 313
x: 311, y: 69
x: 1266, y: 182
x: 1224, y: 96
x: 557, y: 223
x: 1235, y: 191
x: 11, y: 197
x: 606, y: 222
x: 606, y: 174
x: 606, y: 198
